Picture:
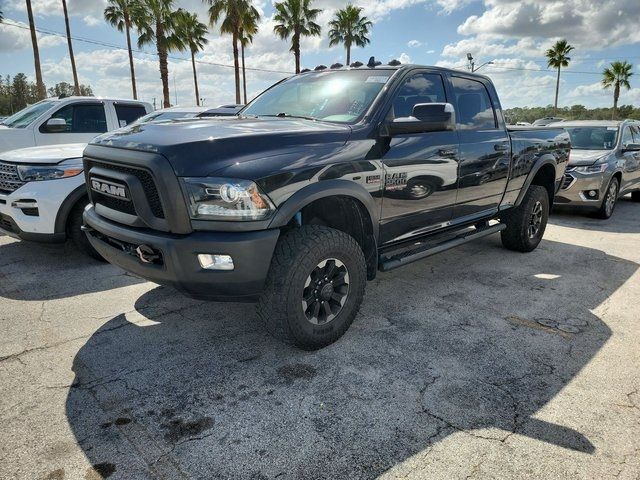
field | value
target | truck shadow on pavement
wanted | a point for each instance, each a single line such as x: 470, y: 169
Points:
x: 30, y: 271
x: 442, y: 347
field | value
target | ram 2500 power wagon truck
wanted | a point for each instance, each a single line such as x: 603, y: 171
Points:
x: 321, y: 181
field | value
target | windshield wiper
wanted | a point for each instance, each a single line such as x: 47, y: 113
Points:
x: 288, y: 115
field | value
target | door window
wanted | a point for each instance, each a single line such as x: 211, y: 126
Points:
x: 475, y: 111
x: 82, y: 118
x: 128, y: 113
x: 418, y: 88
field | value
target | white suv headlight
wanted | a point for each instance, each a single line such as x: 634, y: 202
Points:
x: 226, y: 199
x: 36, y: 173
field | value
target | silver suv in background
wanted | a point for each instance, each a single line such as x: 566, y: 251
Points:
x: 604, y: 165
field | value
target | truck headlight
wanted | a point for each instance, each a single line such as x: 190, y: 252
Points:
x: 592, y: 169
x: 36, y: 173
x: 226, y: 199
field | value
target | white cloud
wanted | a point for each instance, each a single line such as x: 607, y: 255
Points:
x: 414, y: 43
x: 14, y: 37
x: 404, y: 58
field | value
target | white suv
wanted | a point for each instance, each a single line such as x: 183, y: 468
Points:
x: 56, y: 121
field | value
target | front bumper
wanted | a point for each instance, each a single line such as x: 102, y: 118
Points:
x: 50, y: 196
x: 576, y: 188
x: 179, y: 266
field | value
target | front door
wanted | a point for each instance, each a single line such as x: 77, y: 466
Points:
x: 484, y: 149
x: 421, y: 169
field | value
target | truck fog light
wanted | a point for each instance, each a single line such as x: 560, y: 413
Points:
x: 215, y: 262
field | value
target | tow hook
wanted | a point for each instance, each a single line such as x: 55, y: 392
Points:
x: 147, y: 254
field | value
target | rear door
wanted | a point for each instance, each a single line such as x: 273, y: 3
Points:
x: 631, y: 170
x: 484, y: 148
x: 85, y: 120
x: 421, y: 169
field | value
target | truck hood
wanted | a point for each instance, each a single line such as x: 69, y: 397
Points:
x: 586, y: 157
x: 199, y: 147
x: 48, y: 154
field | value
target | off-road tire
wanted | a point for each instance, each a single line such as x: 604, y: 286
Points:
x: 517, y: 236
x: 297, y: 254
x: 605, y: 210
x: 77, y: 236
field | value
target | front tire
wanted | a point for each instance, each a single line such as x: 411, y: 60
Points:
x: 75, y: 233
x: 527, y: 222
x: 314, y: 287
x: 609, y: 201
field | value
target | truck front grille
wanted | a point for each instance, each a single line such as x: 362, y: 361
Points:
x: 149, y: 186
x: 9, y: 179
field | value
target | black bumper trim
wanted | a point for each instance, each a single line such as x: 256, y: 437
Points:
x: 251, y: 253
x: 9, y: 227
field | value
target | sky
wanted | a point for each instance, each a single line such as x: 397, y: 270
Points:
x: 513, y: 34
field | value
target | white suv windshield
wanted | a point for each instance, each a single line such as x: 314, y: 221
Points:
x: 27, y: 115
x: 334, y: 96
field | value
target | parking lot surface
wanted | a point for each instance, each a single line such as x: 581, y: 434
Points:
x: 479, y: 362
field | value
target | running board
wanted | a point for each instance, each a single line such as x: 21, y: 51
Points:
x: 389, y: 263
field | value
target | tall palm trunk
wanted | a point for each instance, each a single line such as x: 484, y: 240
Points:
x: 244, y: 75
x: 616, y: 96
x: 127, y: 27
x: 555, y: 104
x: 236, y: 66
x: 348, y: 55
x: 76, y: 84
x: 296, y: 50
x: 195, y: 76
x: 36, y: 53
x: 164, y: 65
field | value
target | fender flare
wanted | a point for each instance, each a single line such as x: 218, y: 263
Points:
x: 63, y: 212
x: 541, y: 162
x: 323, y: 189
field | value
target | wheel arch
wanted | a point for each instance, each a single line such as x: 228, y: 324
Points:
x: 62, y: 217
x: 543, y: 174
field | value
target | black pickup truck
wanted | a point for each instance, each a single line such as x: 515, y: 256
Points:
x: 324, y: 179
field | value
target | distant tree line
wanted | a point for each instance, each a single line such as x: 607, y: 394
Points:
x: 17, y: 92
x: 575, y: 112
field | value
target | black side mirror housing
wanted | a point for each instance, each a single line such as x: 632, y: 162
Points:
x: 425, y: 117
x: 631, y: 147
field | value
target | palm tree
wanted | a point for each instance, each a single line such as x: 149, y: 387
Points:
x: 41, y: 91
x: 296, y: 19
x: 248, y: 30
x: 119, y: 14
x: 617, y: 75
x: 193, y: 33
x: 557, y: 58
x: 157, y: 23
x: 349, y: 28
x: 231, y: 13
x: 76, y: 84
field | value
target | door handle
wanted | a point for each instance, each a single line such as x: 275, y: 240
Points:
x: 500, y: 147
x: 447, y: 152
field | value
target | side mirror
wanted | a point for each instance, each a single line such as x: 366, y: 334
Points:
x: 55, y: 125
x: 426, y: 117
x: 631, y: 147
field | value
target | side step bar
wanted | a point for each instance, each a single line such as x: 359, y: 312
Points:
x: 389, y: 263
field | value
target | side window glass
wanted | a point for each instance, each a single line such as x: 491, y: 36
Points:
x: 475, y: 111
x: 636, y: 134
x: 627, y: 137
x: 129, y: 113
x: 419, y: 88
x: 83, y: 118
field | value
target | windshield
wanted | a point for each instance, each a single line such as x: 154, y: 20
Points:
x: 159, y: 116
x: 592, y: 138
x: 334, y: 96
x: 27, y: 115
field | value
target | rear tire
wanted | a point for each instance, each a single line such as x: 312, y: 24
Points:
x: 314, y: 287
x: 75, y: 233
x: 527, y: 222
x: 609, y: 201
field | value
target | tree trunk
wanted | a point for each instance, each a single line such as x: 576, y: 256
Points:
x: 296, y: 50
x: 236, y: 66
x: 195, y: 76
x: 244, y: 76
x: 616, y: 96
x: 555, y: 104
x: 164, y: 66
x: 348, y: 55
x: 36, y: 54
x: 76, y: 84
x: 127, y: 26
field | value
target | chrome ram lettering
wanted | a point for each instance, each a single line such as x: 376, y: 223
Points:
x: 107, y: 188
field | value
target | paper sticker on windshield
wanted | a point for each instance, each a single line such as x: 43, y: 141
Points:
x: 377, y: 79
x: 612, y: 128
